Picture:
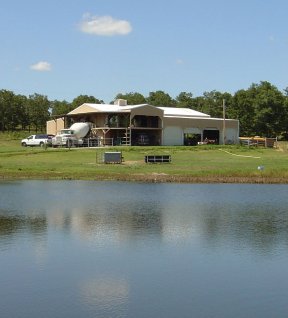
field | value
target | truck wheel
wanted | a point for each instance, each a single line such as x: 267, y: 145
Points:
x: 24, y: 144
x: 69, y: 143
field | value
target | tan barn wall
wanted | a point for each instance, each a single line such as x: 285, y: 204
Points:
x: 54, y: 126
x: 147, y: 111
x: 82, y: 109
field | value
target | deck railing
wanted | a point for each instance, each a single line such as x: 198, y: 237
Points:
x: 98, y: 142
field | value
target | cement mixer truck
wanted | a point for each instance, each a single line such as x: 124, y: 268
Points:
x: 72, y: 136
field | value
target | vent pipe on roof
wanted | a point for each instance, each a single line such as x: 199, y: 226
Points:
x: 120, y: 102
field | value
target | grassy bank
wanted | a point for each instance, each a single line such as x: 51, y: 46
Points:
x: 189, y: 164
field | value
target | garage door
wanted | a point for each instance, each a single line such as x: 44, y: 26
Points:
x: 173, y: 136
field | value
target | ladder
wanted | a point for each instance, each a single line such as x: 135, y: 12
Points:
x: 126, y: 140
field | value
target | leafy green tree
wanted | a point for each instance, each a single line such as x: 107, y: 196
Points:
x: 270, y: 110
x: 227, y: 99
x: 60, y: 108
x: 6, y: 108
x: 38, y: 111
x: 243, y: 110
x: 19, y: 115
x: 199, y: 104
x: 185, y: 100
x: 160, y: 98
x: 213, y: 103
x: 132, y: 98
x: 82, y: 99
x: 12, y: 110
x: 284, y: 134
x: 261, y: 110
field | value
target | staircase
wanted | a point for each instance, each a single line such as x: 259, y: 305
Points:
x: 126, y: 140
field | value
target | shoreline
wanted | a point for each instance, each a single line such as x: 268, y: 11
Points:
x: 159, y: 178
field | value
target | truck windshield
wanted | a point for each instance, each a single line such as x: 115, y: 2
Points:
x: 67, y: 131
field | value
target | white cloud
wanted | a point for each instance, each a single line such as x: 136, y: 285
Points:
x: 105, y: 25
x: 41, y: 67
x: 179, y: 61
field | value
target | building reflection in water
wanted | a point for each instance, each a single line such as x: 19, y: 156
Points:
x: 106, y: 213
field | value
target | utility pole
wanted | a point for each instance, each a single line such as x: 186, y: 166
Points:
x: 224, y: 124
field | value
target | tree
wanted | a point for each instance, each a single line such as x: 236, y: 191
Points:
x: 199, y: 104
x: 160, y: 98
x: 270, y: 110
x: 19, y: 116
x: 285, y: 130
x: 132, y: 98
x: 6, y: 102
x: 38, y: 111
x: 261, y: 110
x: 12, y: 110
x: 82, y: 99
x: 60, y: 107
x: 213, y: 103
x: 185, y: 100
x: 243, y: 110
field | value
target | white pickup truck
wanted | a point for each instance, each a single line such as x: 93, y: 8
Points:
x: 36, y: 140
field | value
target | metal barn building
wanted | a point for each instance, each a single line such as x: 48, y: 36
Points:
x: 122, y: 124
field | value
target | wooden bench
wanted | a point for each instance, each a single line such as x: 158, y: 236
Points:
x: 157, y: 158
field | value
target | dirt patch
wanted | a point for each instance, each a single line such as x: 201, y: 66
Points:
x: 131, y: 163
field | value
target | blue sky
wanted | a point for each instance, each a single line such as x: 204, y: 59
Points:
x: 64, y: 48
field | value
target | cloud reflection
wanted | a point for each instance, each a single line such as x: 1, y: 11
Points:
x: 105, y: 294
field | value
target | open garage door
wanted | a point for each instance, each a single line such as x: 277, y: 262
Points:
x: 212, y: 135
x: 192, y: 136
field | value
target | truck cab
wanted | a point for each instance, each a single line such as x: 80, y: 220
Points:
x: 72, y: 136
x: 67, y: 138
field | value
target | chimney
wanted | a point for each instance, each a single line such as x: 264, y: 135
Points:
x: 120, y: 102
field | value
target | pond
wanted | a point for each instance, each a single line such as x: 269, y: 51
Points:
x: 116, y: 249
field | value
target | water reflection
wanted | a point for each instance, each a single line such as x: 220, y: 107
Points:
x: 105, y: 249
x: 107, y: 214
x: 13, y: 224
x: 107, y: 295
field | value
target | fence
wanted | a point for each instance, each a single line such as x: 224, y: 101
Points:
x: 97, y: 142
x: 258, y: 141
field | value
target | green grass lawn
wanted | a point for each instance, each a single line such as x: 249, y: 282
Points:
x: 189, y: 164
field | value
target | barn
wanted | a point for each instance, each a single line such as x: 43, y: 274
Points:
x: 122, y: 124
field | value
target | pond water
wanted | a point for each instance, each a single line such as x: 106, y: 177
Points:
x: 114, y: 249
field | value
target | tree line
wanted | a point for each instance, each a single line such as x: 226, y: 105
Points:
x: 261, y: 109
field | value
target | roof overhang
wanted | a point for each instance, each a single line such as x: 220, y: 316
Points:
x: 143, y: 109
x: 147, y: 110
